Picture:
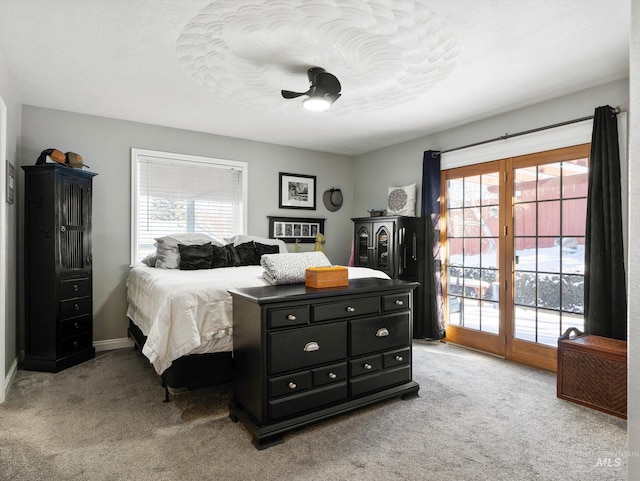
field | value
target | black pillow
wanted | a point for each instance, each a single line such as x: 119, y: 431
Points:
x: 194, y: 257
x: 247, y: 254
x: 266, y: 249
x: 224, y: 256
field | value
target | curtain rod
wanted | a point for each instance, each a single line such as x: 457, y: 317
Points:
x: 616, y: 110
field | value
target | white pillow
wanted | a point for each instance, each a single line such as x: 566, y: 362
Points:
x: 241, y: 239
x: 167, y: 253
x: 402, y: 200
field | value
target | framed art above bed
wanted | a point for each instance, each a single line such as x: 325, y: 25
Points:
x: 292, y: 229
x: 297, y: 191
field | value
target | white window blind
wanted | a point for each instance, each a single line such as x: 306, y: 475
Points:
x: 180, y: 193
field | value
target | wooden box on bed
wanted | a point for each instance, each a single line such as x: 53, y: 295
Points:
x: 592, y: 371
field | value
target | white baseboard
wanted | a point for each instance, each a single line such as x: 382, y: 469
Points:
x: 10, y: 375
x: 109, y: 344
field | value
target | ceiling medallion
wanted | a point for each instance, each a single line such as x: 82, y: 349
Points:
x: 384, y: 52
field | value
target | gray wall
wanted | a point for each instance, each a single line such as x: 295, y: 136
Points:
x: 105, y: 146
x: 10, y: 96
x: 402, y: 164
x: 633, y: 394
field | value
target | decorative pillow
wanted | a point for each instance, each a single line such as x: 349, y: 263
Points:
x: 198, y: 256
x: 167, y: 253
x: 224, y: 256
x: 247, y: 254
x: 242, y: 239
x: 150, y: 260
x: 402, y: 200
x: 262, y: 249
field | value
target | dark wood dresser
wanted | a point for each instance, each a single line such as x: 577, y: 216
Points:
x: 58, y: 274
x: 592, y: 371
x: 302, y: 354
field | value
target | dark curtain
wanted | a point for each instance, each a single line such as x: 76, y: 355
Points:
x: 605, y: 298
x: 429, y: 323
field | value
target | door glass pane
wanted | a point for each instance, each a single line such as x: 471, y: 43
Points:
x: 525, y: 288
x: 490, y: 194
x: 524, y: 217
x: 455, y: 310
x: 525, y: 254
x: 549, y: 282
x: 574, y: 217
x: 549, y: 181
x: 548, y: 254
x: 455, y: 193
x: 455, y: 227
x: 575, y: 178
x: 472, y: 222
x: 525, y: 185
x: 573, y: 255
x: 472, y: 191
x: 473, y: 230
x: 472, y: 252
x: 490, y: 318
x: 525, y: 323
x: 549, y: 218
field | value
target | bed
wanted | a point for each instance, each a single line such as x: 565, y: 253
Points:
x: 182, y: 320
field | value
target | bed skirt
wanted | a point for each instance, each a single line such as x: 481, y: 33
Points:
x: 190, y: 372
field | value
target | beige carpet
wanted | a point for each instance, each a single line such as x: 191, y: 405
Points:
x: 477, y: 418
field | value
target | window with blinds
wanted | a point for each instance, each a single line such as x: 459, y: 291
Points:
x: 180, y: 193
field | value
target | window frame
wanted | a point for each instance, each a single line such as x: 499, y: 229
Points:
x: 137, y: 153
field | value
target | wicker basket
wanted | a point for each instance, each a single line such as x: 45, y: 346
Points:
x: 592, y: 371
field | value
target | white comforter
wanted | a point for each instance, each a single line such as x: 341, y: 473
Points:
x: 190, y: 312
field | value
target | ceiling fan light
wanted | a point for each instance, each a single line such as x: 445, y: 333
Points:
x: 316, y: 104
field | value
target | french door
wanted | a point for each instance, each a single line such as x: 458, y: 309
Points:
x: 514, y: 253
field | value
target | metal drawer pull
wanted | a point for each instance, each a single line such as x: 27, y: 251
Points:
x: 399, y: 302
x: 311, y: 346
x: 293, y: 385
x: 75, y: 287
x: 291, y: 317
x: 382, y: 332
x: 75, y: 344
x: 332, y: 375
x: 351, y: 309
x: 76, y: 307
x: 399, y: 358
x: 76, y: 325
x: 367, y: 366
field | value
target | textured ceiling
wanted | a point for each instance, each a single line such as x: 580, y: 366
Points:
x: 407, y: 68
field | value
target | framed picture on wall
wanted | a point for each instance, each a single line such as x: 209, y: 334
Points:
x: 292, y: 229
x: 297, y: 191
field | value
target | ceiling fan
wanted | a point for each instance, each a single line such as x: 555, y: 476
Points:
x: 323, y: 91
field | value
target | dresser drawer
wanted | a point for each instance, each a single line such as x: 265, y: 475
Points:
x: 401, y: 356
x: 75, y: 288
x: 75, y: 307
x: 308, y: 400
x: 279, y: 386
x: 379, y: 333
x: 396, y: 302
x: 328, y: 374
x: 349, y: 308
x: 380, y: 380
x: 365, y: 365
x: 291, y: 316
x: 76, y: 343
x: 73, y: 327
x: 295, y: 349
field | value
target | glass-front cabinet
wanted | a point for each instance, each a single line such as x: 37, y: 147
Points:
x: 389, y: 244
